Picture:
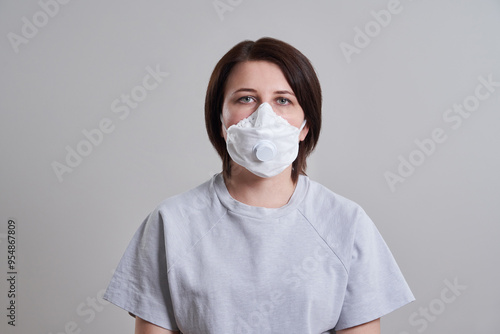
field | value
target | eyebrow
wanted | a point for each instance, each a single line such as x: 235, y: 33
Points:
x: 254, y: 91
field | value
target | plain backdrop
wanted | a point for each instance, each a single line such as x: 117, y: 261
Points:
x: 388, y: 83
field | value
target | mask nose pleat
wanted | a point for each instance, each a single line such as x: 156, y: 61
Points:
x: 265, y: 115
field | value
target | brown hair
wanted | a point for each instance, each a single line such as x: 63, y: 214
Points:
x: 301, y: 77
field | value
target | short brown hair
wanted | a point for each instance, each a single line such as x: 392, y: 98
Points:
x: 301, y: 77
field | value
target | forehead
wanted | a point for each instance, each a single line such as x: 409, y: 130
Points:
x: 257, y: 75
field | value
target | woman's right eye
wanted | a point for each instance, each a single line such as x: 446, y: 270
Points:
x: 245, y: 99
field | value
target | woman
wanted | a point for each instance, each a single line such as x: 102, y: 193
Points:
x: 259, y: 248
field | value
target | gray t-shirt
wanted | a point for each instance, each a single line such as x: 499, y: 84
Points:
x: 203, y: 262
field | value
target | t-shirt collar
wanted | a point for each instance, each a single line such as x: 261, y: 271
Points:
x: 259, y: 212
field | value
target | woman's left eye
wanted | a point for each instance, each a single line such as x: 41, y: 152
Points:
x: 283, y: 101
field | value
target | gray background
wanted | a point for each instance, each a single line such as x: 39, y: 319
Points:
x: 441, y: 223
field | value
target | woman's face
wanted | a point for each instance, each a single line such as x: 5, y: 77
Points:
x: 252, y: 83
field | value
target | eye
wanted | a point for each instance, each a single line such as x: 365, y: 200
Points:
x: 283, y: 101
x: 246, y: 99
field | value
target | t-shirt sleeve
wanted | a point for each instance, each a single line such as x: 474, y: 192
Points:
x: 140, y: 282
x: 375, y: 283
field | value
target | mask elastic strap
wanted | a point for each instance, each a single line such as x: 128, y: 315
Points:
x: 222, y: 121
x: 301, y: 127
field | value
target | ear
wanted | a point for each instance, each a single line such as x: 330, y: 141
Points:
x: 222, y: 130
x: 304, y: 132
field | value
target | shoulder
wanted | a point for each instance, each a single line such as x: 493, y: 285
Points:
x: 184, y: 219
x: 323, y: 202
x: 178, y: 212
x: 334, y: 217
x: 179, y: 208
x: 196, y: 198
x: 192, y: 211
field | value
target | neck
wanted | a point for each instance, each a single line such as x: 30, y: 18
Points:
x: 250, y: 189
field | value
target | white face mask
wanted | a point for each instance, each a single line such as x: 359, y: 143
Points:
x: 264, y: 143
